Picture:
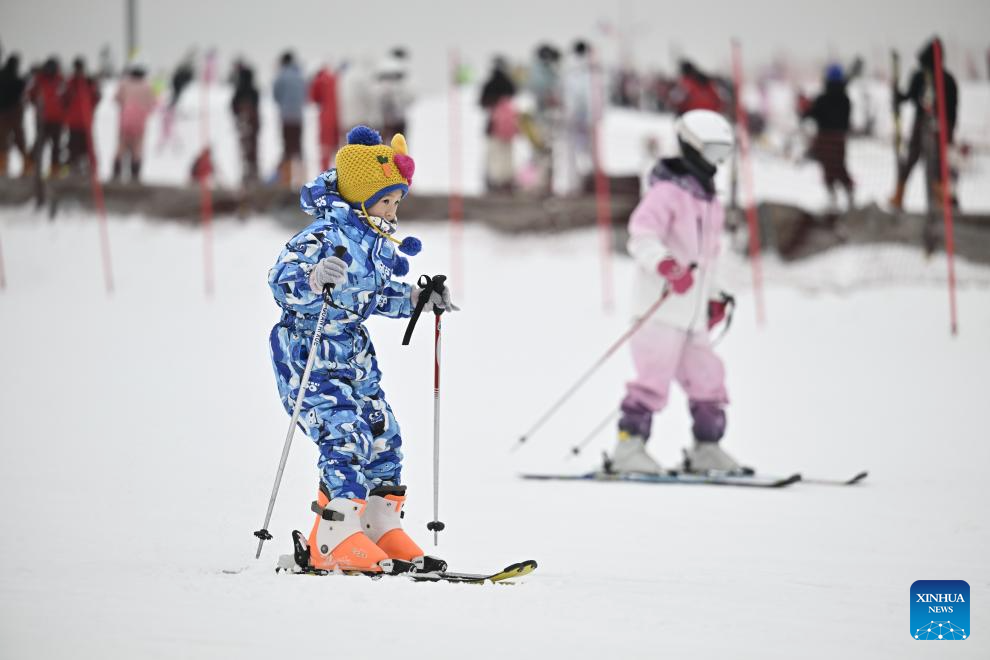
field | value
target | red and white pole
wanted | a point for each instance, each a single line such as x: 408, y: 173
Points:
x: 205, y: 193
x: 97, y: 188
x: 455, y: 202
x: 742, y: 132
x: 943, y: 152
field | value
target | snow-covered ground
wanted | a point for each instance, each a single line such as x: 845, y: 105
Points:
x: 141, y: 432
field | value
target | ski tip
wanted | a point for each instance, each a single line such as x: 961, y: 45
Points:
x: 859, y: 477
x: 511, y: 571
x: 787, y: 481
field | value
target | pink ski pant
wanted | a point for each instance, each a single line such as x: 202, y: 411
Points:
x: 662, y: 354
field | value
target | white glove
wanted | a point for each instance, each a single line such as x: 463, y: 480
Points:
x: 329, y: 270
x: 439, y: 300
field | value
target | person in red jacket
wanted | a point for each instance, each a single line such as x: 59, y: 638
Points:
x: 45, y: 93
x: 79, y: 99
x: 323, y: 92
x: 695, y: 91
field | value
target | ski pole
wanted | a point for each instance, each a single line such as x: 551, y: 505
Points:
x: 263, y: 534
x: 576, y: 449
x: 436, y: 284
x: 586, y: 375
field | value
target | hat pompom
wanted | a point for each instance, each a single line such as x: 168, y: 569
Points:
x: 406, y: 166
x: 410, y: 245
x: 364, y: 135
x: 400, y: 267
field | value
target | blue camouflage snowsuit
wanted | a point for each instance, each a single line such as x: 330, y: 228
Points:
x: 344, y: 410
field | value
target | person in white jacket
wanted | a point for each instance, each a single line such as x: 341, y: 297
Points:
x: 675, y: 234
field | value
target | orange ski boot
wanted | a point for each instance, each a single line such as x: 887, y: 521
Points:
x: 337, y: 541
x: 382, y: 521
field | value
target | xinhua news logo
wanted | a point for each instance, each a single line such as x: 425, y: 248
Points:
x: 940, y: 610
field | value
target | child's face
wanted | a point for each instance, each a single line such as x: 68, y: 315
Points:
x: 388, y: 206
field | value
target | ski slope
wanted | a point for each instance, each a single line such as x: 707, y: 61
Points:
x: 142, y: 430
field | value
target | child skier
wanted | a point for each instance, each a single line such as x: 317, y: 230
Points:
x: 360, y: 498
x: 674, y: 237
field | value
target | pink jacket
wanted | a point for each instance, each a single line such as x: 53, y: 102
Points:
x: 678, y: 218
x: 137, y: 101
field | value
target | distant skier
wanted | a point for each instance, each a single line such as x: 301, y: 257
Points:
x: 695, y: 90
x: 921, y: 92
x: 323, y: 92
x: 247, y: 121
x: 830, y: 111
x: 578, y: 121
x: 544, y: 83
x: 12, y: 86
x: 289, y: 90
x: 79, y: 98
x: 501, y: 128
x: 136, y: 101
x: 181, y: 77
x: 674, y: 237
x: 344, y: 411
x: 45, y: 93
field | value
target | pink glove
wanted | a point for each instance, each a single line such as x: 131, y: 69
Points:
x: 678, y: 277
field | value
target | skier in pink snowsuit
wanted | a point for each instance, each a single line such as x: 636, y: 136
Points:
x: 137, y: 101
x: 675, y: 237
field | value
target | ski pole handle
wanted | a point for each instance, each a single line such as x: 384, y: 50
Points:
x: 437, y: 285
x: 340, y: 251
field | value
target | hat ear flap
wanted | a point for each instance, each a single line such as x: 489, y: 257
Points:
x: 399, y: 144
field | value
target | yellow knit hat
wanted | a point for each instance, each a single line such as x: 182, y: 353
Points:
x: 367, y: 170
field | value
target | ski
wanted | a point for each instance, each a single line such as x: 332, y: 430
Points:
x: 397, y: 568
x: 818, y: 481
x: 674, y: 477
x: 298, y: 564
x: 509, y: 572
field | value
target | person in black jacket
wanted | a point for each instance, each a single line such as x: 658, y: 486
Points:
x: 922, y: 93
x: 12, y: 86
x: 244, y: 106
x: 830, y: 111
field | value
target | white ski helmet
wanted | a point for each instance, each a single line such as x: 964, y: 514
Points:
x: 705, y: 132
